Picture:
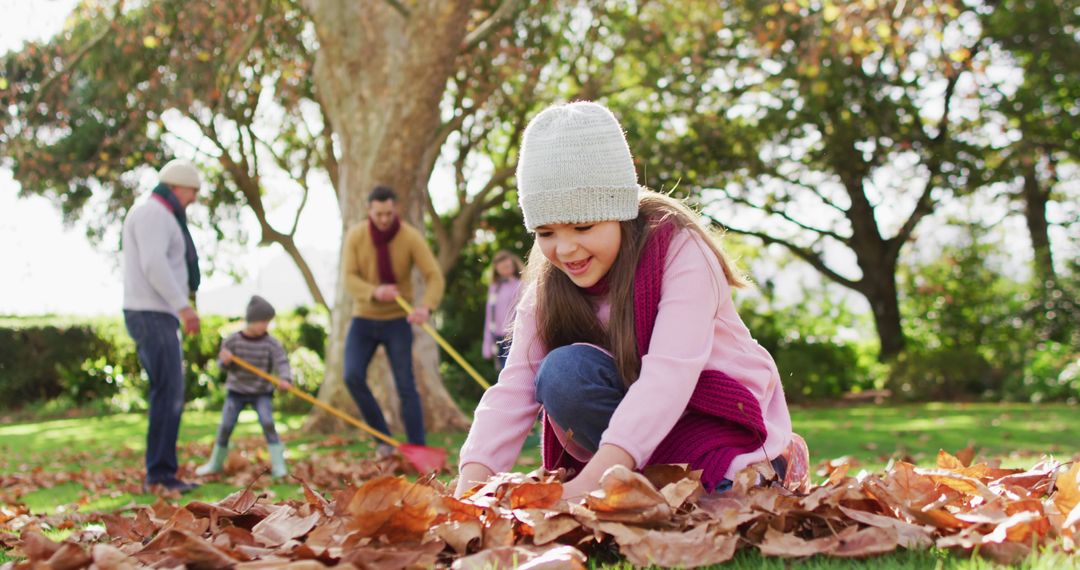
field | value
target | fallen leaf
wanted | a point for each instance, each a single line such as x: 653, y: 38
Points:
x: 458, y: 534
x: 699, y: 546
x: 627, y: 496
x: 394, y: 508
x: 1067, y: 495
x: 786, y: 545
x: 283, y: 525
x: 524, y: 558
x: 535, y: 495
x: 910, y: 536
x: 546, y: 526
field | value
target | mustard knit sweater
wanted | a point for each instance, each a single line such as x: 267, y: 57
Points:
x: 360, y: 266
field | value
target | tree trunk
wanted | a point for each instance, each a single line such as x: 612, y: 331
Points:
x: 881, y: 292
x: 1035, y: 199
x: 380, y: 78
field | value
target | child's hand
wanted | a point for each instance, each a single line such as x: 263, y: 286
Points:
x: 284, y: 385
x: 225, y: 356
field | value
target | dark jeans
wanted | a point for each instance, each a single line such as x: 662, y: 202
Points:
x: 502, y: 351
x: 365, y: 335
x: 580, y: 388
x: 157, y: 342
x: 235, y: 403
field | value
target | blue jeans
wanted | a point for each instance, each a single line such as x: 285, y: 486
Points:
x: 365, y: 335
x: 157, y: 342
x: 235, y: 403
x: 502, y: 352
x: 579, y: 387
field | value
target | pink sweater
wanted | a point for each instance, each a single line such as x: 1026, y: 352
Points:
x: 696, y: 329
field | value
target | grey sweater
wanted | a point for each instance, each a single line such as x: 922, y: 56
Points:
x: 155, y: 273
x: 264, y: 352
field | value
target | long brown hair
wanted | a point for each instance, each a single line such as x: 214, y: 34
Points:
x: 500, y: 256
x: 565, y: 314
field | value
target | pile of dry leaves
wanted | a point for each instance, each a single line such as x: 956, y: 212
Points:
x: 659, y: 517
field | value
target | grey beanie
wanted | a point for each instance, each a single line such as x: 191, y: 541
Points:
x: 575, y: 167
x: 259, y: 309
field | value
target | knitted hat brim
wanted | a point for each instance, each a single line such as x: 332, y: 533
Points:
x: 580, y: 205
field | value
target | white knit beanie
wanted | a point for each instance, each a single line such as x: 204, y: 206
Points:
x: 179, y: 172
x: 575, y: 167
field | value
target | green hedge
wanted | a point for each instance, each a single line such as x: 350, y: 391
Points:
x: 74, y: 362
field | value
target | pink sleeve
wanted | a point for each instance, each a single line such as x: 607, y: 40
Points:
x: 681, y: 343
x: 508, y: 409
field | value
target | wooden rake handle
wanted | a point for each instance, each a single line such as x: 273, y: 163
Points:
x: 446, y: 346
x: 314, y: 401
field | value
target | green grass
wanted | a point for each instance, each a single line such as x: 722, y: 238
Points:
x: 1018, y: 434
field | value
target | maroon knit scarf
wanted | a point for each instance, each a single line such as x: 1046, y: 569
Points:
x: 382, y: 249
x: 723, y: 419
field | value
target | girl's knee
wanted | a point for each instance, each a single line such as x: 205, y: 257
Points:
x: 559, y: 379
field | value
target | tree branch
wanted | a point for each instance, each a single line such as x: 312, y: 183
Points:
x: 399, y: 7
x: 774, y: 211
x: 507, y: 10
x: 803, y: 253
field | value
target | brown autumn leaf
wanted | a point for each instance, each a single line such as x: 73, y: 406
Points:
x: 241, y: 501
x: 36, y: 546
x: 535, y: 495
x: 284, y: 524
x: 1067, y: 494
x: 628, y: 497
x: 498, y: 532
x: 966, y: 455
x: 559, y: 557
x: 546, y: 526
x: 702, y: 545
x: 947, y: 461
x: 458, y: 534
x: 665, y: 474
x: 787, y: 545
x: 910, y: 536
x: 395, y: 508
x: 679, y: 492
x: 394, y: 557
x: 185, y: 520
x: 728, y: 513
x: 109, y: 557
x: 68, y: 557
x: 180, y: 547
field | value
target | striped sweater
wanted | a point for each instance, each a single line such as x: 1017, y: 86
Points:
x: 264, y: 352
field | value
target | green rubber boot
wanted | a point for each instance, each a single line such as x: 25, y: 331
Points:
x: 277, y: 460
x: 216, y: 463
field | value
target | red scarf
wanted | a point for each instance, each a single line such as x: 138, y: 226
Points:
x: 382, y: 248
x: 723, y: 419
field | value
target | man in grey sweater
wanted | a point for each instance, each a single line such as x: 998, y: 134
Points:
x: 161, y: 275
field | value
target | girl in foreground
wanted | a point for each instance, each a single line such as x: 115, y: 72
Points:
x: 626, y: 337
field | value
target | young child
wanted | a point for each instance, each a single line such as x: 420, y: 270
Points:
x: 502, y: 297
x: 256, y: 346
x: 626, y: 337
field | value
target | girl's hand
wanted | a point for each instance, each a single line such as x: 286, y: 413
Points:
x: 588, y: 480
x: 471, y: 474
x: 225, y: 356
x: 578, y: 487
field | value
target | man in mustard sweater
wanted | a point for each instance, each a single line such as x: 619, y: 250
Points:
x: 377, y: 260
